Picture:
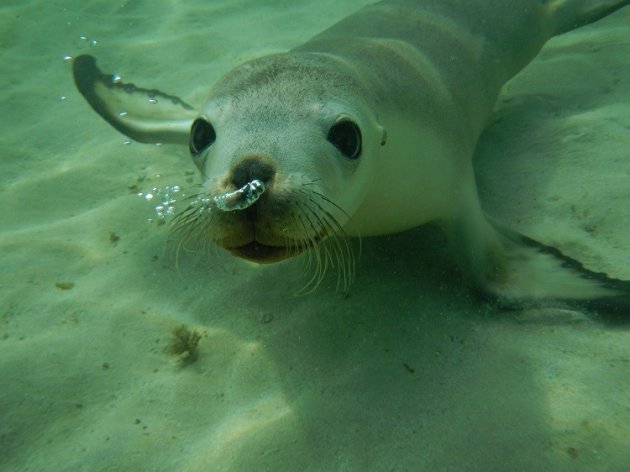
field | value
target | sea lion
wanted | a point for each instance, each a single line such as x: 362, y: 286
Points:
x: 366, y: 129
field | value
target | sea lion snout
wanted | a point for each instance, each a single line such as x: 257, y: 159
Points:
x: 250, y: 177
x: 250, y: 168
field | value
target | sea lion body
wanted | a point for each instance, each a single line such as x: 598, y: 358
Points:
x: 369, y: 128
x: 434, y: 70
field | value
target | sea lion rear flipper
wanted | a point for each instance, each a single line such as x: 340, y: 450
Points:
x: 563, y: 278
x: 567, y: 15
x: 148, y: 116
x: 518, y: 271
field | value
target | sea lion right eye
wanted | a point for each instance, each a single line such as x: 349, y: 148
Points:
x: 202, y: 135
x: 345, y: 135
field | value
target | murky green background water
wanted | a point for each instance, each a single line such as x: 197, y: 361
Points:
x: 410, y: 372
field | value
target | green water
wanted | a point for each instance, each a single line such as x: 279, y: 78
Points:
x: 409, y: 372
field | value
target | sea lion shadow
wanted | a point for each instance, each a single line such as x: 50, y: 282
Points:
x: 543, y: 118
x: 516, y: 157
x: 403, y: 359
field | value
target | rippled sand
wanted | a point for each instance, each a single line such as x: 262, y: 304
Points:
x: 409, y: 372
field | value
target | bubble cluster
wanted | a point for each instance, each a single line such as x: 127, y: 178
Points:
x: 164, y: 198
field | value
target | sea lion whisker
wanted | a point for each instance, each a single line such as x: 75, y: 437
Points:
x: 320, y: 267
x: 337, y: 233
x: 338, y: 228
x: 314, y: 250
x: 189, y: 227
x: 322, y: 262
x: 304, y: 238
x: 335, y: 245
x: 350, y: 219
x: 294, y: 244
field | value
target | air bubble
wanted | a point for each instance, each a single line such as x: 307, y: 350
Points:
x: 165, y: 198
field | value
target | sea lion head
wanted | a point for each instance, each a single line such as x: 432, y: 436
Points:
x: 300, y: 126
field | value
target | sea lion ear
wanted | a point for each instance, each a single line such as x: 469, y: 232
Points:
x: 148, y: 116
x: 383, y: 135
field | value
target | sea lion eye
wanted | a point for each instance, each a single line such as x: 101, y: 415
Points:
x: 202, y: 135
x: 345, y: 135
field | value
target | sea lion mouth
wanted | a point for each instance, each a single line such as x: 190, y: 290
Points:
x: 264, y: 254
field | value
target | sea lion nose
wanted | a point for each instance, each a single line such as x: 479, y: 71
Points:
x: 252, y: 168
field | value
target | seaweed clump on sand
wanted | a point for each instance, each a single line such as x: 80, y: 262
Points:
x: 185, y: 345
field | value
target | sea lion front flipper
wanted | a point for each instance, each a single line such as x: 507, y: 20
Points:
x: 148, y: 116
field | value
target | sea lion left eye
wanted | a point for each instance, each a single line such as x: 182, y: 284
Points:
x: 345, y: 135
x: 202, y: 135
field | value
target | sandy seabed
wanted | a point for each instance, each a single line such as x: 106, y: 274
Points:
x: 409, y: 372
